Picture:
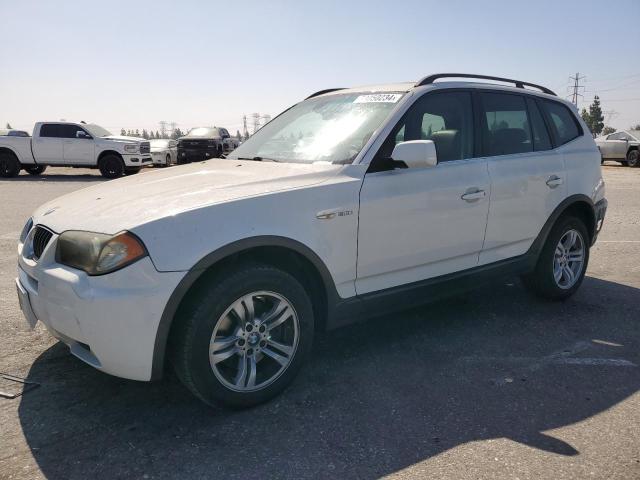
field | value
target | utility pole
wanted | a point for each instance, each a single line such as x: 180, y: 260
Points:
x: 163, y: 128
x: 576, y: 88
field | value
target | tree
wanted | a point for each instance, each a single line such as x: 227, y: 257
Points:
x: 145, y: 135
x: 137, y: 132
x: 608, y: 130
x: 157, y: 134
x: 123, y: 132
x: 633, y: 127
x: 594, y: 117
x: 9, y: 127
x: 238, y: 135
x: 177, y: 133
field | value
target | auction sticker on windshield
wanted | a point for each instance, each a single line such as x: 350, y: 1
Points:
x: 379, y: 98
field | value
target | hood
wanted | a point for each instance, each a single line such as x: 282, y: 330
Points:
x: 122, y: 138
x: 128, y: 202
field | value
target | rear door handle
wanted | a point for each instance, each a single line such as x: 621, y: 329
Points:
x: 473, y: 195
x: 554, y: 181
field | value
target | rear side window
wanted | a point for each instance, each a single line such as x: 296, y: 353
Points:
x: 506, y: 128
x: 51, y: 130
x: 563, y: 123
x: 541, y: 139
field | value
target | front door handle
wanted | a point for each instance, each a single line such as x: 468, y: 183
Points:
x: 473, y: 195
x: 554, y: 181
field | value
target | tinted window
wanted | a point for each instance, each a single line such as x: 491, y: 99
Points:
x: 614, y: 136
x: 51, y: 130
x: 69, y: 131
x: 562, y: 121
x: 445, y: 118
x: 506, y: 127
x: 541, y: 140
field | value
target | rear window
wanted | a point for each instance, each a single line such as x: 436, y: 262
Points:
x: 563, y: 123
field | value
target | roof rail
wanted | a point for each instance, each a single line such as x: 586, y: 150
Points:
x: 518, y: 83
x: 322, y: 92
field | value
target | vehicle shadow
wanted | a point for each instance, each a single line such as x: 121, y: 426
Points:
x: 375, y: 397
x: 57, y: 177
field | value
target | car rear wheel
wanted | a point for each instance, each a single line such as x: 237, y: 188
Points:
x: 244, y: 336
x: 35, y: 169
x: 563, y: 261
x: 111, y: 166
x: 633, y: 159
x: 167, y: 160
x: 9, y: 165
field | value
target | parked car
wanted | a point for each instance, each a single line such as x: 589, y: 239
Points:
x: 164, y: 152
x: 14, y: 133
x: 72, y: 145
x: 621, y: 146
x: 351, y: 203
x: 201, y: 143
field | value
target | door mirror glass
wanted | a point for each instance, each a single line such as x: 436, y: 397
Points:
x: 416, y: 153
x: 82, y: 134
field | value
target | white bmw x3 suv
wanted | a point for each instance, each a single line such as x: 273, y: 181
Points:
x: 350, y: 203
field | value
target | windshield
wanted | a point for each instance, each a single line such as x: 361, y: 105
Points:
x: 202, y: 132
x: 96, y: 130
x: 159, y: 143
x: 323, y: 129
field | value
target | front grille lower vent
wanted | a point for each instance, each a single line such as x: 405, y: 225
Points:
x: 145, y: 147
x: 41, y: 238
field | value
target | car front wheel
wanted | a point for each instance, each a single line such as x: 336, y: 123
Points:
x: 633, y: 159
x: 563, y: 261
x: 243, y: 336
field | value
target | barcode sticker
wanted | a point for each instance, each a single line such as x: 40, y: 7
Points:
x: 379, y: 98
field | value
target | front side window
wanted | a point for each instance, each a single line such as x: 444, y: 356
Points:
x: 332, y: 128
x: 446, y: 118
x: 506, y: 129
x: 562, y: 122
x: 70, y: 131
x: 614, y: 136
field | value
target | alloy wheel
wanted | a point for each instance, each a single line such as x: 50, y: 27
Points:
x: 254, y: 341
x: 568, y: 259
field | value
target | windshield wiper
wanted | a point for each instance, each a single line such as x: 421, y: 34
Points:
x: 257, y: 159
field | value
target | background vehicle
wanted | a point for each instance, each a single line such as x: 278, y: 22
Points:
x: 202, y: 143
x: 73, y: 145
x: 14, y: 133
x: 621, y: 146
x: 418, y: 190
x: 164, y: 152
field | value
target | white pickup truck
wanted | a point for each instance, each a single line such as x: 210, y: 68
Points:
x: 73, y: 145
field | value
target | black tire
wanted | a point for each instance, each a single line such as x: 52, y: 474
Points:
x: 633, y: 158
x: 167, y: 160
x: 132, y: 170
x: 111, y: 166
x: 541, y: 281
x: 34, y: 169
x: 191, y: 338
x: 9, y: 165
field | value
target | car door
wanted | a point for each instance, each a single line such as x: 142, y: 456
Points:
x: 47, y: 144
x: 416, y: 224
x: 615, y: 147
x: 528, y: 179
x: 78, y: 146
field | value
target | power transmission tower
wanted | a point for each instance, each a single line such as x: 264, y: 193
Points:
x: 163, y: 128
x: 576, y: 88
x: 256, y: 122
x: 265, y: 119
x: 245, y: 131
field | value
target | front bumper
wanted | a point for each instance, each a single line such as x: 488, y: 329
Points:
x: 108, y: 321
x: 600, y: 212
x: 137, y: 159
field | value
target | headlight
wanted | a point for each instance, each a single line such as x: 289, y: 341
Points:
x: 97, y: 253
x: 132, y: 148
x: 26, y: 229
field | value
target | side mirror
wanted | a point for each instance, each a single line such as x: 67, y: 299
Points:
x: 81, y: 134
x: 416, y: 153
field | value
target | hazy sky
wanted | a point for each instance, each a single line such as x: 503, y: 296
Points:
x: 131, y: 64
